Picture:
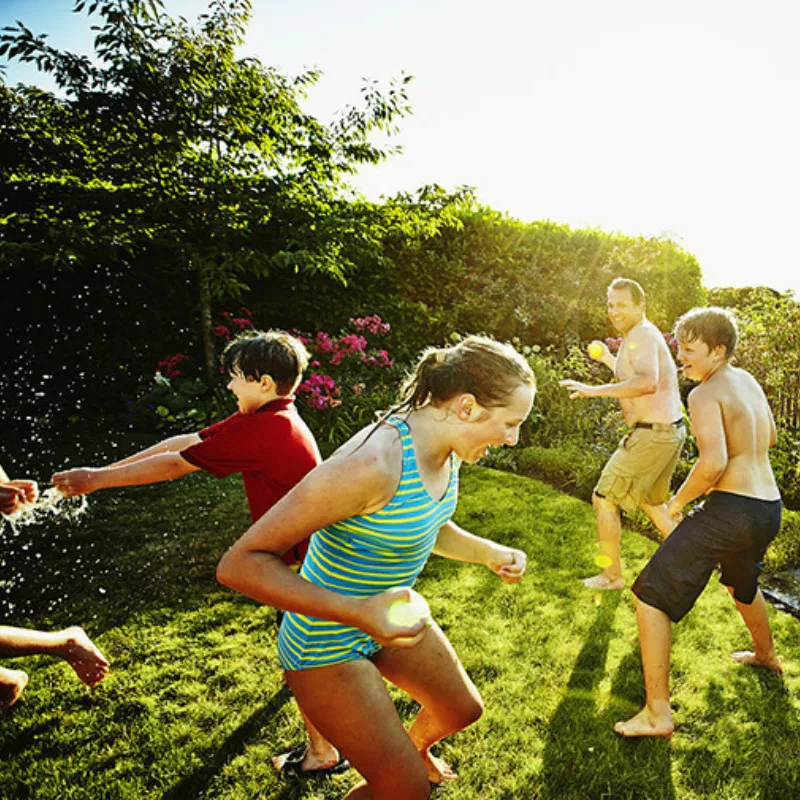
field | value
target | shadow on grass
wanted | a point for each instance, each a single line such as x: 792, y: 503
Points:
x: 249, y: 731
x: 583, y: 757
x: 568, y: 766
x: 758, y: 741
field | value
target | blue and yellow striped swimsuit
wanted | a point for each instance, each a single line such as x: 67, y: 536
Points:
x: 363, y: 556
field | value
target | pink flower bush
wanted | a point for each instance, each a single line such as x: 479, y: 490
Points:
x: 170, y: 367
x: 373, y: 324
x: 347, y: 356
x: 231, y: 324
x: 320, y: 392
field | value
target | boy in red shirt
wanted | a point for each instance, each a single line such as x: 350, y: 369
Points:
x: 265, y: 440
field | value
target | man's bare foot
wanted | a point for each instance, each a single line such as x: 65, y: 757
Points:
x: 439, y: 770
x: 645, y: 723
x: 751, y: 659
x: 83, y: 656
x: 12, y: 685
x: 600, y: 582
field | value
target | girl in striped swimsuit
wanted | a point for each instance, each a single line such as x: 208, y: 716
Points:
x: 378, y: 508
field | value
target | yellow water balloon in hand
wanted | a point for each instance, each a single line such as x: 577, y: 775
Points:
x: 595, y: 350
x: 407, y: 613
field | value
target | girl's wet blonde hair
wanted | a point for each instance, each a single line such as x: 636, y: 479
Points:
x: 487, y: 369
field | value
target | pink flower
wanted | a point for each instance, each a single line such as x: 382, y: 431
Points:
x: 220, y: 331
x: 170, y: 366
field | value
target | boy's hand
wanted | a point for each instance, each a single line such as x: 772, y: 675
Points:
x: 675, y: 509
x: 75, y: 482
x: 14, y: 494
x: 507, y: 563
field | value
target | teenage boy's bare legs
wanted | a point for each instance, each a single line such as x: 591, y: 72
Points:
x: 655, y: 639
x: 608, y: 536
x: 755, y: 617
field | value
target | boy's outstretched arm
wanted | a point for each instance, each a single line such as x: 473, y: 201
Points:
x: 149, y: 469
x: 172, y: 445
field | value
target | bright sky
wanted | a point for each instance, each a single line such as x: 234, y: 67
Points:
x: 647, y: 117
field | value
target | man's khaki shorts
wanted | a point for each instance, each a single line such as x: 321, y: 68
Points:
x: 639, y: 472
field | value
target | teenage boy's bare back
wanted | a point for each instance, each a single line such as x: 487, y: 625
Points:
x: 733, y: 424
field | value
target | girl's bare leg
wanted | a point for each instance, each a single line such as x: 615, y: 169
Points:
x: 351, y: 707
x: 433, y: 675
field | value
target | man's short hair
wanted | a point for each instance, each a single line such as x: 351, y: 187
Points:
x: 275, y: 353
x: 712, y: 325
x: 634, y: 288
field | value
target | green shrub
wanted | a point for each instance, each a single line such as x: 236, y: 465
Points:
x: 784, y: 552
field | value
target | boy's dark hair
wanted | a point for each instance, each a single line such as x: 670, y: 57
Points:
x: 713, y: 325
x: 275, y: 353
x: 632, y: 287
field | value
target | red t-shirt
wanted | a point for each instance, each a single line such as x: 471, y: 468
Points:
x: 272, y: 448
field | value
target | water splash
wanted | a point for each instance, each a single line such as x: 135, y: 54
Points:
x: 50, y: 503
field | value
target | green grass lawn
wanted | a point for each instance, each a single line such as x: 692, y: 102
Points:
x: 195, y: 706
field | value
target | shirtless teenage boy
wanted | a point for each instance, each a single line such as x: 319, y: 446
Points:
x: 638, y: 473
x: 734, y: 428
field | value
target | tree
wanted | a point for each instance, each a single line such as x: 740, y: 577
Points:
x: 168, y: 149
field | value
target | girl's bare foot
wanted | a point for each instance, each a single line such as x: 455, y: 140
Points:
x: 439, y: 770
x: 645, y: 723
x: 751, y: 659
x: 302, y: 758
x: 89, y: 663
x: 12, y: 685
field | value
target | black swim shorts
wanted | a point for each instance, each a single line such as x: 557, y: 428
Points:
x: 728, y: 529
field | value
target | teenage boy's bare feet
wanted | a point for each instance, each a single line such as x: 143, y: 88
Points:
x: 645, y: 723
x: 80, y: 652
x: 751, y: 659
x: 12, y: 685
x: 601, y: 583
x: 439, y: 770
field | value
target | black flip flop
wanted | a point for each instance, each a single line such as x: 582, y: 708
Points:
x: 292, y: 767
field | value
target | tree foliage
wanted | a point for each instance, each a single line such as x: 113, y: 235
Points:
x: 167, y: 159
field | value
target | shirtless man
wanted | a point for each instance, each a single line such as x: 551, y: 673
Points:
x: 639, y: 472
x: 734, y: 428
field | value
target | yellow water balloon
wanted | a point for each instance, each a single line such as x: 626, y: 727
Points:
x: 406, y: 613
x: 595, y: 350
x: 602, y: 561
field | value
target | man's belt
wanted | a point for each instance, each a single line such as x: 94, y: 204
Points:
x: 660, y: 426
